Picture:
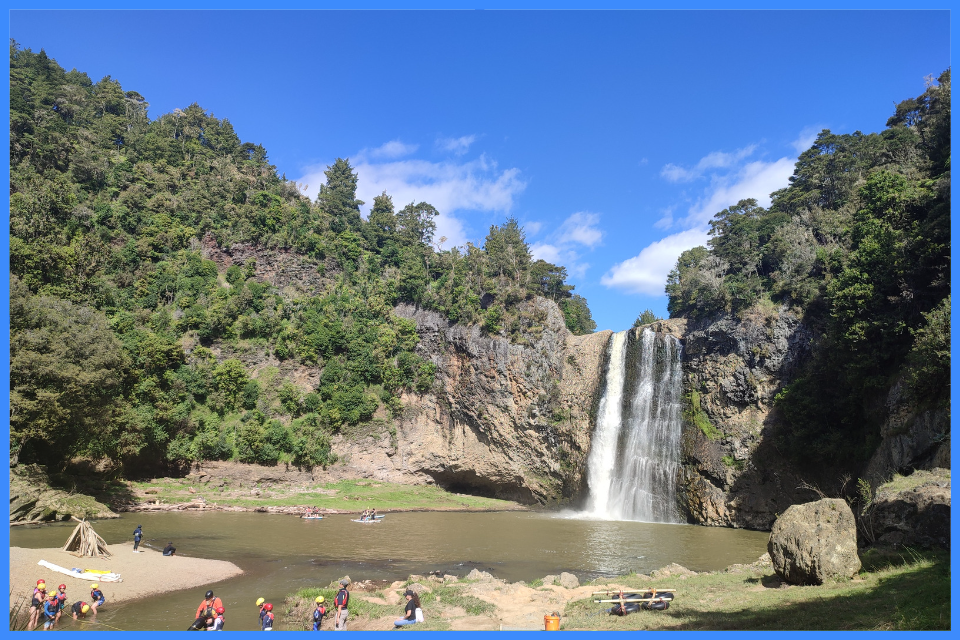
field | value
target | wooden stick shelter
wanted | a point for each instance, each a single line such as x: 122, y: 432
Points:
x: 85, y: 542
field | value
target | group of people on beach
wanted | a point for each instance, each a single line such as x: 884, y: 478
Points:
x: 50, y: 604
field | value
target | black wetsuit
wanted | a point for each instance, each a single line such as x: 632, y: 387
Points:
x: 137, y: 535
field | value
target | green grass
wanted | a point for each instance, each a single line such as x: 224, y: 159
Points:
x: 351, y: 495
x: 909, y: 591
x: 918, y: 478
x: 452, y: 596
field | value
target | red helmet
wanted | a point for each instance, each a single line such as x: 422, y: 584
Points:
x: 41, y: 581
x: 268, y: 607
x: 219, y: 609
x: 63, y: 586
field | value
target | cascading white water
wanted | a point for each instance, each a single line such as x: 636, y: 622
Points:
x: 634, y: 457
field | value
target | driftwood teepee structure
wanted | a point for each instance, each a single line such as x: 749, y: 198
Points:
x: 84, y: 541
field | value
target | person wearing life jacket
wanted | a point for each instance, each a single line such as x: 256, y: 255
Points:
x: 266, y: 623
x: 50, y: 609
x: 206, y: 610
x: 260, y: 602
x: 341, y: 602
x: 79, y: 609
x: 36, y: 604
x: 97, y: 597
x: 137, y: 535
x: 217, y: 624
x: 318, y: 613
x: 61, y: 602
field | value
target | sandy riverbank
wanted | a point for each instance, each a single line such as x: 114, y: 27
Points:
x: 144, y: 574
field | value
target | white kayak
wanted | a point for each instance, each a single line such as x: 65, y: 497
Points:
x: 377, y: 521
x: 84, y: 575
x: 311, y: 517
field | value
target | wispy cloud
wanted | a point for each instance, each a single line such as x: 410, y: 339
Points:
x: 714, y: 160
x: 451, y: 187
x: 730, y: 179
x: 646, y: 272
x: 806, y: 138
x: 566, y: 244
x: 458, y: 146
x: 389, y: 151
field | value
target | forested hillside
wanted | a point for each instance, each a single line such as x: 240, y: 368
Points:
x: 859, y: 245
x: 115, y: 310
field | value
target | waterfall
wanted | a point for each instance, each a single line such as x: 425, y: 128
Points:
x: 635, y: 452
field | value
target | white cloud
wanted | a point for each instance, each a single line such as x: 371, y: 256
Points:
x: 754, y: 180
x: 646, y: 273
x: 806, y: 138
x: 449, y: 186
x: 389, y: 150
x: 532, y: 228
x: 459, y: 146
x: 713, y: 160
x: 563, y: 245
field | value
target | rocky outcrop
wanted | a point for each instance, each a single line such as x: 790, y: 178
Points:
x: 815, y: 542
x: 503, y: 419
x: 732, y: 472
x: 911, y: 511
x: 33, y: 499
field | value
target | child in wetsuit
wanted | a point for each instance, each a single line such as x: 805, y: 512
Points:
x: 50, y: 609
x: 79, y: 609
x: 318, y: 614
x: 97, y: 596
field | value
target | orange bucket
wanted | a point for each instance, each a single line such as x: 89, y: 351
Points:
x: 551, y: 622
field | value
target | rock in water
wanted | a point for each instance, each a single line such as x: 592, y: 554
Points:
x: 814, y: 542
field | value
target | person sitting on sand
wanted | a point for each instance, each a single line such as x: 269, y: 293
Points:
x: 79, y: 609
x: 318, y: 613
x: 36, y: 604
x: 169, y: 550
x: 205, y: 611
x: 97, y: 597
x: 412, y: 612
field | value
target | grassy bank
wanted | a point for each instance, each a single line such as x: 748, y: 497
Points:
x: 345, y: 495
x: 894, y: 591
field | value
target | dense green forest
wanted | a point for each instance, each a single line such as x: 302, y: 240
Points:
x: 859, y: 244
x: 116, y: 314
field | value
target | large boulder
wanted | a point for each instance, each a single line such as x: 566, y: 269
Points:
x: 913, y: 511
x: 814, y: 542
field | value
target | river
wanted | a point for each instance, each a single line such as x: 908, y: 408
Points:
x: 280, y: 553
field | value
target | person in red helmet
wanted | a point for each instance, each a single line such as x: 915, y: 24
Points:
x: 267, y: 623
x: 205, y: 611
x: 61, y: 602
x: 218, y: 621
x: 36, y: 604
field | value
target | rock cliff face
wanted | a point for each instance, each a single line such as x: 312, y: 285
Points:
x: 506, y: 420
x: 732, y: 472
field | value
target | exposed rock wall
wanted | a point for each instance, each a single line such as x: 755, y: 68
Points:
x: 507, y: 420
x: 732, y: 472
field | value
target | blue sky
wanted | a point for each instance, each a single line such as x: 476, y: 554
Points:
x: 612, y: 136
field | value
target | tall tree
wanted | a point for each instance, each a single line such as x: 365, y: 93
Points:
x: 338, y: 197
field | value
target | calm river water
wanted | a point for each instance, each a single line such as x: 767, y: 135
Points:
x: 280, y: 553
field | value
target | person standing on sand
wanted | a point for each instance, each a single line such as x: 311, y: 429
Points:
x: 97, y: 597
x: 137, y: 535
x: 61, y: 602
x: 341, y: 602
x: 36, y: 604
x: 50, y: 609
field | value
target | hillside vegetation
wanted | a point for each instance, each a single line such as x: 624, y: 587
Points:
x: 859, y: 244
x: 117, y: 314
